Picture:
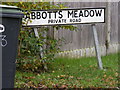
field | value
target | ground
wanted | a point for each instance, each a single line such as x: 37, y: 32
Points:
x: 72, y: 73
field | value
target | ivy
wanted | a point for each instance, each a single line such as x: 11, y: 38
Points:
x: 29, y: 45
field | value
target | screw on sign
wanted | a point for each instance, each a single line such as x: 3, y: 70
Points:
x: 3, y: 41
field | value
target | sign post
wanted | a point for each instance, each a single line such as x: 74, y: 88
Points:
x: 97, y: 49
x: 37, y: 35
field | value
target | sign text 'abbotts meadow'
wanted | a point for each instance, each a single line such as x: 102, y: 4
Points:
x: 66, y: 16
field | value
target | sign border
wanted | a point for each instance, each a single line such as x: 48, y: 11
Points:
x: 71, y: 23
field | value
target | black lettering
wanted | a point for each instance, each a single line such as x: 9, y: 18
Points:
x: 98, y: 12
x: 70, y: 13
x: 91, y: 13
x: 52, y: 21
x: 59, y: 21
x: 27, y: 16
x: 33, y: 15
x: 38, y: 15
x: 81, y: 14
x: 64, y: 20
x: 79, y: 20
x: 48, y: 21
x: 60, y: 14
x: 70, y: 20
x: 55, y: 13
x: 75, y: 20
x: 75, y: 13
x: 86, y: 13
x: 49, y: 15
x: 44, y: 15
x: 55, y: 21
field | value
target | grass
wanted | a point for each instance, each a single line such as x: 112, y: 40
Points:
x: 73, y: 73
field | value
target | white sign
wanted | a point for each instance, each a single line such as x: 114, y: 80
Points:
x: 66, y: 16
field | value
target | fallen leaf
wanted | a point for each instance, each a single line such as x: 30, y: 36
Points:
x: 63, y: 86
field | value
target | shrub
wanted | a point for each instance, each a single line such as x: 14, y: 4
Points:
x: 29, y: 45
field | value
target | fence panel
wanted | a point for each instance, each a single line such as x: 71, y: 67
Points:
x: 83, y: 37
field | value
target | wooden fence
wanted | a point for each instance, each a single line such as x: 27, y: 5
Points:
x: 80, y: 43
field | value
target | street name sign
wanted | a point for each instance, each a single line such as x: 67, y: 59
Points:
x: 92, y: 16
x: 65, y: 16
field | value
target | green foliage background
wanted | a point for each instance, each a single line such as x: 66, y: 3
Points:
x: 29, y: 45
